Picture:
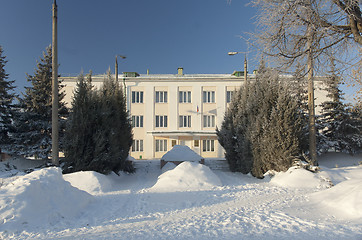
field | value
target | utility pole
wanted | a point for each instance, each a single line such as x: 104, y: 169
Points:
x: 55, y: 98
x: 116, y: 69
x: 311, y: 107
x: 246, y: 71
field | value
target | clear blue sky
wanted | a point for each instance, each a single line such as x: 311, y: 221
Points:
x: 160, y: 35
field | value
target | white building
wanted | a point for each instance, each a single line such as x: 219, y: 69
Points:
x: 175, y: 109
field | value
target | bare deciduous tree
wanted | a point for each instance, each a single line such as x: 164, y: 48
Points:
x: 308, y: 32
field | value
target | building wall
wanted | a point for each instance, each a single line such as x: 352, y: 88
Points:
x: 153, y: 141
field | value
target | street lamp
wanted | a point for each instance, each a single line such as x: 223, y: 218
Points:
x: 245, y: 65
x: 116, y: 73
x: 116, y: 67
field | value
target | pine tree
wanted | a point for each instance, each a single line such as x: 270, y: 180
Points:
x: 32, y: 126
x: 6, y: 100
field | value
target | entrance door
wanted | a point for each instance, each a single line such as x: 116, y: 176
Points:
x: 186, y: 141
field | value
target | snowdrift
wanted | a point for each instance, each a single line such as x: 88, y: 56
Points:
x: 296, y: 177
x: 344, y: 200
x: 187, y: 176
x: 38, y: 199
x: 89, y: 181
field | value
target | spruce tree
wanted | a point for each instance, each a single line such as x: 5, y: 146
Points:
x: 351, y: 141
x: 262, y: 126
x: 32, y: 126
x: 299, y: 88
x: 79, y: 145
x: 340, y: 125
x: 6, y: 100
x: 99, y: 127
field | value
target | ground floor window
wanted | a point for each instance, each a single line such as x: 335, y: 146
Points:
x: 161, y: 145
x: 208, y: 145
x: 137, y: 146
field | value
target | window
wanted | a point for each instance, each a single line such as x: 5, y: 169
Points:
x: 185, y: 97
x: 196, y: 143
x: 185, y: 121
x: 209, y: 121
x: 173, y: 143
x: 208, y: 145
x: 161, y: 97
x: 137, y: 146
x: 229, y: 96
x: 208, y: 96
x: 137, y: 121
x: 161, y: 121
x: 137, y: 97
x: 161, y: 145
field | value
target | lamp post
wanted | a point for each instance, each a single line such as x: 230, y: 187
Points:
x: 245, y: 65
x: 116, y: 73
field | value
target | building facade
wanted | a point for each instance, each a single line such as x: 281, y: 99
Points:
x: 175, y: 109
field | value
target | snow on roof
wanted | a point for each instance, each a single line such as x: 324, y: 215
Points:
x: 181, y: 153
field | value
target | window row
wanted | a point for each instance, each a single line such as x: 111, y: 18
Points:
x: 209, y: 121
x: 208, y: 145
x: 184, y: 96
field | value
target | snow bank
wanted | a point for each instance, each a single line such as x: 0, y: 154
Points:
x: 298, y: 178
x: 181, y: 153
x: 187, y: 176
x: 39, y: 198
x: 344, y: 200
x: 89, y: 181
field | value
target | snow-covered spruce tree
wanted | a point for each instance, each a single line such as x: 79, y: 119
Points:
x: 106, y: 137
x: 267, y: 123
x: 340, y: 126
x: 351, y: 141
x: 32, y: 125
x: 6, y: 98
x: 299, y: 90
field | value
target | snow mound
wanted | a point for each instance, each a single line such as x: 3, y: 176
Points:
x: 296, y: 177
x: 187, y: 176
x: 181, y: 153
x: 40, y: 198
x: 344, y: 199
x: 89, y: 181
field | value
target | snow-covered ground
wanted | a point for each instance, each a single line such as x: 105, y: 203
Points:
x: 189, y: 201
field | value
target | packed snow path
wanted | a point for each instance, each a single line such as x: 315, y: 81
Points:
x: 126, y: 207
